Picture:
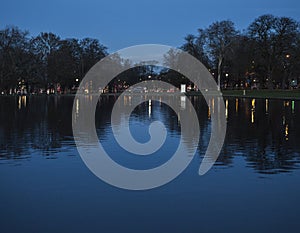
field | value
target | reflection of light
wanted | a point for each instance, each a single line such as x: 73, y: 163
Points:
x: 213, y: 105
x: 252, y: 111
x: 283, y: 120
x: 226, y: 109
x: 287, y: 132
x: 236, y: 105
x: 77, y: 106
x: 253, y: 104
x: 293, y: 106
x: 182, y: 102
x: 125, y: 100
x: 24, y: 100
x: 129, y: 100
x: 19, y: 102
x: 286, y: 103
x: 252, y: 116
x: 209, y: 106
x: 267, y: 105
x: 150, y: 108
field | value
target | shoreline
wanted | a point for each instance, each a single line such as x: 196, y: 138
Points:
x: 257, y: 94
x: 264, y: 94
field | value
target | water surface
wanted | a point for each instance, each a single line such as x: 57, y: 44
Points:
x: 253, y: 187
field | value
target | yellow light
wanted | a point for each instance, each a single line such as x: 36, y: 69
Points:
x: 125, y: 100
x: 19, y: 102
x: 24, y: 98
x: 253, y: 104
x: 226, y: 109
x: 287, y: 132
x: 213, y: 105
x: 252, y: 111
x: 286, y: 103
x: 236, y: 105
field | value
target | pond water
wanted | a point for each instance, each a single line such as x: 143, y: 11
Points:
x: 46, y: 187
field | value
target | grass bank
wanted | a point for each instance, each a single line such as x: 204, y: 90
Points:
x: 270, y: 94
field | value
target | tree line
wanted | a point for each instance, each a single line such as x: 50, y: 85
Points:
x: 45, y: 62
x: 265, y: 55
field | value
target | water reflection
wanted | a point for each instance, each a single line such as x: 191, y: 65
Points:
x: 30, y: 124
x: 264, y: 132
x: 22, y: 102
x: 269, y: 141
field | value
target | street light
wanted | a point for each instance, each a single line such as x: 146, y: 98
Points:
x: 288, y: 56
x: 226, y: 75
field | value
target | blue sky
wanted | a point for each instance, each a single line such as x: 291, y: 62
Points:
x: 118, y: 24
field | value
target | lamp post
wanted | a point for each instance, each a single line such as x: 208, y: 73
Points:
x: 227, y: 81
x: 76, y: 83
x: 285, y: 67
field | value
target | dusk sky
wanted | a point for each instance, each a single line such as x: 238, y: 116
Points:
x: 118, y: 24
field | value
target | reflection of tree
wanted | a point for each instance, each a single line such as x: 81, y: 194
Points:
x: 264, y: 143
x: 30, y: 126
x: 269, y: 144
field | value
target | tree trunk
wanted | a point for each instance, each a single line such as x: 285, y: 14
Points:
x: 284, y: 79
x: 219, y: 72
